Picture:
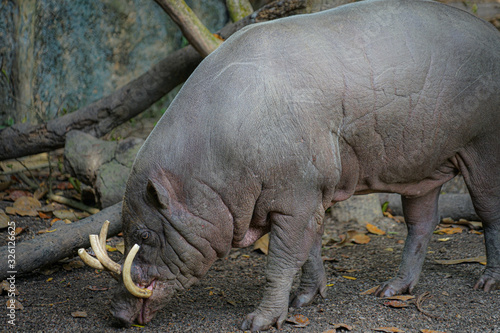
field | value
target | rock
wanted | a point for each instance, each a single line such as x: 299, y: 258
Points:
x: 454, y: 205
x: 360, y: 208
x: 110, y: 183
x: 103, y: 165
x: 85, y: 154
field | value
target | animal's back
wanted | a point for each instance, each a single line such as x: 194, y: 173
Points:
x: 405, y: 84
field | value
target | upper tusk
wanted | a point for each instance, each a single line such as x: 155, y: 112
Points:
x: 102, y: 255
x: 103, y: 235
x: 127, y: 278
x: 89, y: 260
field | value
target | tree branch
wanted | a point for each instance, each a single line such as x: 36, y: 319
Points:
x: 192, y: 28
x: 130, y: 100
x: 63, y: 242
x: 238, y: 9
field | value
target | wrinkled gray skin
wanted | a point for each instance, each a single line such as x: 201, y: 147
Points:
x: 287, y: 118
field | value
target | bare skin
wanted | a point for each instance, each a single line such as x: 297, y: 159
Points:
x: 287, y: 118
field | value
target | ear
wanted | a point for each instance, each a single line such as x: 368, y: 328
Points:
x: 158, y: 193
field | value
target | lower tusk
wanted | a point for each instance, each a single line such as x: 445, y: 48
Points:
x: 89, y: 260
x: 127, y: 278
x: 102, y: 255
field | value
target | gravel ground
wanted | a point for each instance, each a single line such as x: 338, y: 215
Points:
x: 234, y: 285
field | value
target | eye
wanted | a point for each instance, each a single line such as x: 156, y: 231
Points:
x: 145, y: 235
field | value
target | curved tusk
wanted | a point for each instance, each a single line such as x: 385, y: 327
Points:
x: 127, y: 278
x: 103, y: 235
x: 89, y: 260
x: 102, y: 255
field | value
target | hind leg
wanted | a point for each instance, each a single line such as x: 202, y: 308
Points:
x: 421, y: 217
x: 483, y: 180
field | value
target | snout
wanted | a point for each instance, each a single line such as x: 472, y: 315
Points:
x: 125, y: 307
x: 129, y: 310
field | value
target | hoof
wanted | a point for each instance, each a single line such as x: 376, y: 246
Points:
x: 393, y: 287
x: 489, y: 281
x: 257, y: 321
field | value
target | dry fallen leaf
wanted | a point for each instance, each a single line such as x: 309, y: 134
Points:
x: 396, y: 304
x: 298, y: 320
x: 401, y: 297
x: 327, y: 240
x: 18, y: 231
x: 350, y: 237
x: 14, y: 195
x: 470, y: 224
x: 348, y: 277
x: 5, y: 288
x: 344, y: 326
x: 24, y: 206
x: 67, y: 215
x: 79, y: 314
x: 479, y: 259
x: 361, y: 239
x: 64, y: 186
x: 370, y: 291
x: 374, y: 229
x: 121, y: 247
x: 449, y: 231
x: 447, y: 220
x: 388, y: 329
x: 262, y: 244
x: 4, y: 219
x: 44, y: 216
x: 17, y: 304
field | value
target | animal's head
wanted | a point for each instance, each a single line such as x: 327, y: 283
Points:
x: 173, y: 232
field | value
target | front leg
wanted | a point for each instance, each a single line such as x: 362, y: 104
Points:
x: 421, y: 218
x: 290, y: 241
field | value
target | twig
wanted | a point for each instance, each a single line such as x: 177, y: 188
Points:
x: 10, y: 172
x: 51, y: 304
x: 28, y: 182
x: 72, y: 203
x: 420, y: 300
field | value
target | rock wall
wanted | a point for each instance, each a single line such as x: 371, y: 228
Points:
x: 59, y: 55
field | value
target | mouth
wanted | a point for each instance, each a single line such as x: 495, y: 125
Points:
x: 146, y: 313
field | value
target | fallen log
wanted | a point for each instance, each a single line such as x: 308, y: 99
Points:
x: 64, y: 242
x: 130, y: 100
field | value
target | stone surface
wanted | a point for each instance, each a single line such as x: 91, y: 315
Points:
x: 360, y: 208
x: 60, y: 55
x: 85, y: 154
x: 110, y: 183
x: 103, y: 165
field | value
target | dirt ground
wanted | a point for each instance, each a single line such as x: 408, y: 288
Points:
x: 234, y: 285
